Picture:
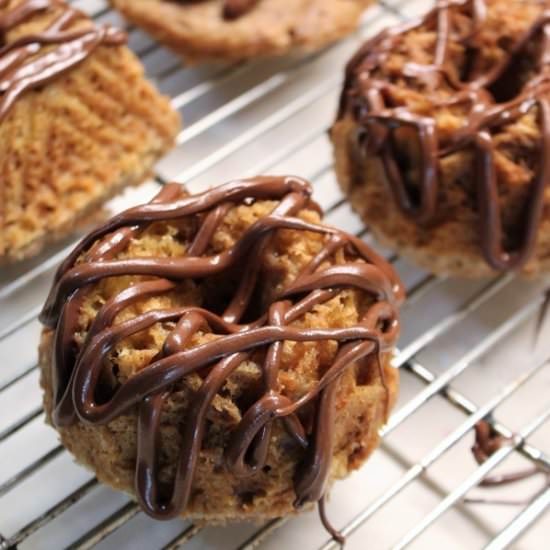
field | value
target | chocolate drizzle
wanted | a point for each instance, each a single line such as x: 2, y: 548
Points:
x: 492, y: 100
x: 76, y: 371
x: 33, y: 60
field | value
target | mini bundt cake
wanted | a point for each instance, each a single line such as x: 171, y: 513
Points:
x: 78, y: 121
x: 233, y: 30
x: 223, y: 355
x: 442, y: 142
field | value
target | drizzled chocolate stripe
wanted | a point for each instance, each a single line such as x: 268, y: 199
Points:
x: 77, y: 371
x: 30, y: 61
x: 365, y: 98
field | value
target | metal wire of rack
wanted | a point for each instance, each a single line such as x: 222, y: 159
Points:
x: 467, y: 351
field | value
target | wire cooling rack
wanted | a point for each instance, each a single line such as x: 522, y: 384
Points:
x: 468, y: 350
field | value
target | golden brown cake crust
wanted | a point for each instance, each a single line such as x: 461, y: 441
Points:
x: 365, y: 393
x: 451, y: 242
x: 198, y: 32
x: 110, y: 451
x: 68, y: 146
x: 450, y: 248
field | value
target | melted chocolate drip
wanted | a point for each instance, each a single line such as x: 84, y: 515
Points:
x: 334, y: 533
x: 35, y: 59
x: 488, y: 442
x: 493, y: 100
x: 77, y: 371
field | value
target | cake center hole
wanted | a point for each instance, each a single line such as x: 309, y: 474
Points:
x: 523, y: 63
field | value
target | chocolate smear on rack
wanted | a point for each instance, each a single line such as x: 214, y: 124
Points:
x: 487, y: 442
x: 77, y: 371
x: 490, y: 101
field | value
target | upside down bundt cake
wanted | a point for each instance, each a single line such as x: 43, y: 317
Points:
x: 442, y: 142
x: 224, y: 355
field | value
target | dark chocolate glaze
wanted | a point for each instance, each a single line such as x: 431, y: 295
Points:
x: 484, y: 96
x: 33, y: 60
x: 76, y: 371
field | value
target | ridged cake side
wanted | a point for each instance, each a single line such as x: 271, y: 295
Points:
x: 365, y: 390
x: 68, y: 146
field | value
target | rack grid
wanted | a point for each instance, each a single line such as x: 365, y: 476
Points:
x: 468, y: 350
